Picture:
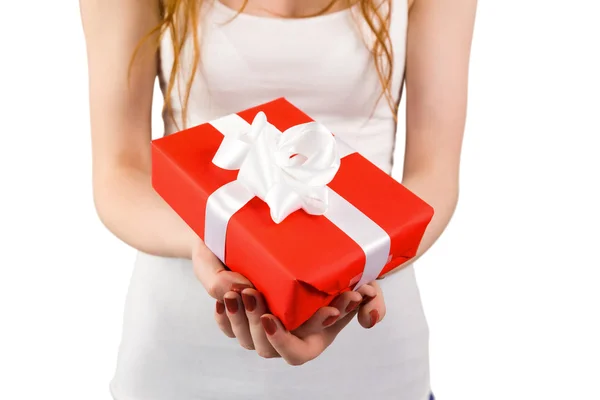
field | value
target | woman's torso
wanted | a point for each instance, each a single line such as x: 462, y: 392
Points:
x: 171, y: 348
x: 320, y: 64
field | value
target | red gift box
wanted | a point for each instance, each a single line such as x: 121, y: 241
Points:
x: 302, y: 263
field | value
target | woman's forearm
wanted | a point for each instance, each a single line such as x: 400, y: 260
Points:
x: 441, y: 192
x: 130, y: 208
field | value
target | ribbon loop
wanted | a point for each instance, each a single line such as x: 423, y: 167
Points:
x: 231, y: 153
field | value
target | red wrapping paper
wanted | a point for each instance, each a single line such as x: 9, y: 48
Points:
x: 301, y: 264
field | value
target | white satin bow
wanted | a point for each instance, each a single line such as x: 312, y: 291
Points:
x: 289, y: 171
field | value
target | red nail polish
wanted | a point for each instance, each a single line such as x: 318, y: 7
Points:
x: 238, y: 287
x: 352, y: 306
x: 220, y: 307
x: 232, y: 305
x: 249, y: 302
x: 269, y: 325
x: 374, y: 314
x: 330, y: 320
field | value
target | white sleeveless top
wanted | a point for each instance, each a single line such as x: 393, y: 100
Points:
x: 171, y: 347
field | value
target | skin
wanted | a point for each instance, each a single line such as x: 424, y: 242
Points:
x: 438, y: 51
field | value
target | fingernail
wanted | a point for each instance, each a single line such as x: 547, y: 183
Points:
x: 352, y: 306
x: 249, y: 302
x: 232, y: 305
x: 374, y: 314
x: 220, y: 307
x: 269, y: 325
x: 367, y: 299
x: 238, y: 287
x: 330, y: 320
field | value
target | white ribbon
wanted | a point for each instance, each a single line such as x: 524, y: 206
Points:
x: 289, y: 171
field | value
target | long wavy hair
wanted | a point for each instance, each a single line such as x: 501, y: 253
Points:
x: 180, y: 17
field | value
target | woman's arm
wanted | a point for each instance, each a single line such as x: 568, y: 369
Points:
x: 120, y: 111
x: 438, y: 51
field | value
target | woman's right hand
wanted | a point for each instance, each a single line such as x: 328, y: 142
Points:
x: 213, y: 275
x: 239, y: 307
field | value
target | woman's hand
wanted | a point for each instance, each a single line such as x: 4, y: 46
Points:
x: 242, y: 317
x: 246, y: 318
x: 310, y: 340
x: 213, y: 275
x: 241, y: 313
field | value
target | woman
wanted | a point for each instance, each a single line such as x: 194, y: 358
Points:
x: 344, y: 63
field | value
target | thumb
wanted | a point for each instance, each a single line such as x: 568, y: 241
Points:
x: 213, y: 275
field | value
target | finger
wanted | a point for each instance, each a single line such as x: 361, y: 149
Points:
x: 293, y: 349
x: 211, y: 272
x: 336, y: 328
x: 372, y: 312
x: 323, y: 318
x: 347, y: 302
x: 237, y: 319
x: 223, y: 320
x: 368, y: 291
x: 343, y: 304
x: 255, y: 306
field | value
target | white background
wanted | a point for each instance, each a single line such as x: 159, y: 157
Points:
x: 510, y: 290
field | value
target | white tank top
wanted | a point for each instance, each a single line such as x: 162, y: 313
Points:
x: 320, y: 64
x: 171, y: 347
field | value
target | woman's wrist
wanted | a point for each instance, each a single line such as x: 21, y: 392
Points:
x: 184, y: 243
